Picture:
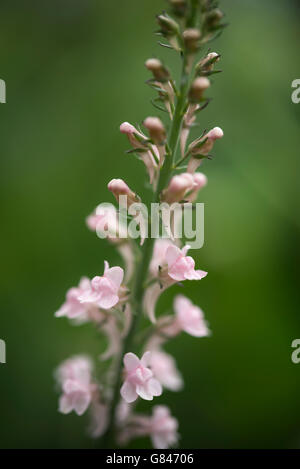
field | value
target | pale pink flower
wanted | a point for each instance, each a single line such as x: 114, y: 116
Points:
x: 72, y: 307
x: 123, y: 194
x: 178, y: 186
x: 105, y: 290
x: 164, y: 369
x: 184, y: 187
x: 203, y: 146
x: 200, y: 181
x: 170, y: 265
x: 139, y: 379
x: 163, y: 428
x: 157, y: 133
x: 147, y: 152
x: 189, y: 318
x: 180, y: 266
x: 159, y: 255
x: 74, y: 377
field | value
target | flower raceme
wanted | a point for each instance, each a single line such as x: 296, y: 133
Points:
x: 139, y: 380
x: 114, y: 301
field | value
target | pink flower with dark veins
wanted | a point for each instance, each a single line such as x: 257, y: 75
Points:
x: 139, y: 380
x: 180, y: 266
x: 104, y: 290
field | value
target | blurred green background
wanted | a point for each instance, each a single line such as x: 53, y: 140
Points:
x: 74, y: 71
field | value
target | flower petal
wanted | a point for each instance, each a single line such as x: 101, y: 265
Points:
x: 128, y: 392
x: 131, y: 361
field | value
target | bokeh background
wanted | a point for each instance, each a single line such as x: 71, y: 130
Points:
x: 74, y: 71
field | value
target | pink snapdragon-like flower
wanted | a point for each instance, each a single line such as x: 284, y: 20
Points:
x: 105, y: 290
x: 72, y: 307
x: 147, y: 152
x: 203, y: 146
x: 163, y: 428
x: 189, y: 318
x: 74, y: 376
x: 184, y: 187
x: 180, y: 266
x: 159, y: 255
x: 139, y: 380
x: 164, y: 369
x: 120, y: 190
x: 160, y: 426
x: 157, y: 133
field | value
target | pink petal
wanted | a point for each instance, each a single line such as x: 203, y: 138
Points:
x: 81, y: 403
x: 145, y: 360
x: 107, y: 300
x: 195, y: 275
x: 128, y: 392
x: 65, y: 404
x: 116, y: 275
x: 154, y: 387
x: 144, y: 392
x: 131, y: 361
x: 172, y: 254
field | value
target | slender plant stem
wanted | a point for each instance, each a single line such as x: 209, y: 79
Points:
x: 143, y: 265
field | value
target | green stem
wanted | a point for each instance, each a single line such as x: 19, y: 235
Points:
x: 143, y: 265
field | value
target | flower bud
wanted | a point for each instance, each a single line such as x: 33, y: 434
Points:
x: 178, y: 187
x: 202, y: 146
x: 191, y: 38
x: 207, y: 64
x: 159, y: 71
x: 156, y: 130
x: 119, y: 188
x: 168, y: 26
x: 198, y: 86
x: 213, y: 18
x: 179, y: 7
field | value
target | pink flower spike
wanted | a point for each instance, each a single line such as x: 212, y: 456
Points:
x: 189, y: 317
x: 182, y: 267
x: 139, y: 379
x: 104, y: 290
x: 74, y: 377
